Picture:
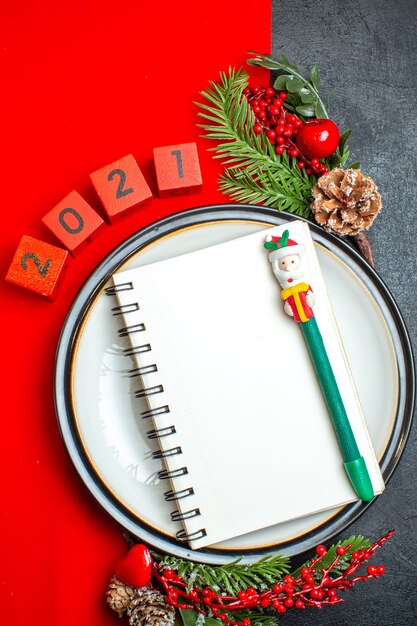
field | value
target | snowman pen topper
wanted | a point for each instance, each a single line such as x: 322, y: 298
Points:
x: 288, y: 259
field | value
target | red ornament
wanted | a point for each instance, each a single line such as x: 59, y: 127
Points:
x: 318, y: 138
x: 135, y: 569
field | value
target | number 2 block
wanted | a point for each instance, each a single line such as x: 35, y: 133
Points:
x: 38, y: 266
x: 121, y: 188
x: 74, y: 222
x: 177, y: 169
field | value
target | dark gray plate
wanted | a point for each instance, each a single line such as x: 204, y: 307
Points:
x: 92, y: 289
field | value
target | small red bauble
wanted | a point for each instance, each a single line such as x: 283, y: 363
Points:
x: 340, y: 550
x: 135, y: 569
x: 318, y: 138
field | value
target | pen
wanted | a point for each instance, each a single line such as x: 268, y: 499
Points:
x: 288, y: 264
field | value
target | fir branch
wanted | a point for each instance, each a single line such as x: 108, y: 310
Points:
x: 255, y: 172
x: 231, y: 123
x: 356, y: 543
x: 232, y: 577
x: 258, y: 617
x: 268, y: 188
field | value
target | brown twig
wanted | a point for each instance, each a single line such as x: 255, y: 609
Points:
x: 365, y: 248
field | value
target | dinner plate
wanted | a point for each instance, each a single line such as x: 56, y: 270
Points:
x: 98, y: 412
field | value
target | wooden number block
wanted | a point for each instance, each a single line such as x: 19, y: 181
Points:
x: 121, y: 188
x: 177, y: 169
x: 38, y: 266
x: 74, y: 222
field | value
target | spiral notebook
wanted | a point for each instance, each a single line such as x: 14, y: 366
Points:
x: 243, y: 431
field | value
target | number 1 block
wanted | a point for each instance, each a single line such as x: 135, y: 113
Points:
x: 121, y: 188
x: 38, y: 266
x: 177, y: 169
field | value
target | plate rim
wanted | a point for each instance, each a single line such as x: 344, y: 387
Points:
x: 74, y: 321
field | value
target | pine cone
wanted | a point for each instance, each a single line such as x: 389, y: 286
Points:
x: 120, y: 596
x: 149, y: 608
x: 345, y: 202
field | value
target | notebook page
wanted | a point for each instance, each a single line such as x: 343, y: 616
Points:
x: 242, y: 392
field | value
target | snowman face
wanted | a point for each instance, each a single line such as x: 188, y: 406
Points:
x: 289, y: 263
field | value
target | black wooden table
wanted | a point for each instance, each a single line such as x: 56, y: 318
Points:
x: 367, y: 55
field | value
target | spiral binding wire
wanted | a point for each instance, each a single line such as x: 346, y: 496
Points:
x: 172, y: 496
x: 156, y: 433
x: 140, y: 371
x: 129, y: 330
x: 146, y: 347
x: 160, y: 410
x: 123, y: 309
x: 148, y: 391
x: 113, y: 289
x: 178, y: 516
x: 198, y: 534
x: 163, y: 454
x: 167, y: 474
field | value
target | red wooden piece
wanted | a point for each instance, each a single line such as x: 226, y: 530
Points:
x: 38, y: 266
x: 74, y: 222
x: 177, y: 169
x: 121, y: 187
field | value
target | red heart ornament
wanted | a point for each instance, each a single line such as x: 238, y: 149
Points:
x: 135, y: 569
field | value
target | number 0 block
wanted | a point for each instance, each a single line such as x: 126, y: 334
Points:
x: 74, y: 222
x: 38, y: 266
x: 121, y: 188
x: 177, y: 169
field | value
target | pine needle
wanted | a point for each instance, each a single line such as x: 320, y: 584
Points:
x: 254, y: 173
x: 232, y: 577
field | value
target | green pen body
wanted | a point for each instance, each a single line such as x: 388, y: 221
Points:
x: 354, y: 463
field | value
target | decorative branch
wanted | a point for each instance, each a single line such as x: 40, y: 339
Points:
x: 315, y: 584
x: 231, y: 577
x: 255, y: 172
